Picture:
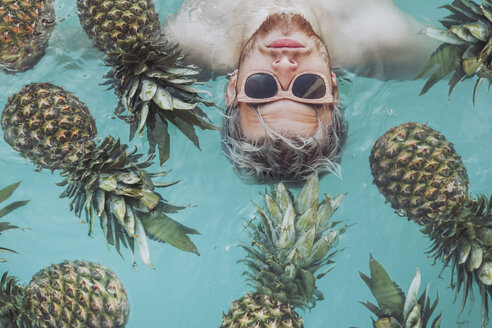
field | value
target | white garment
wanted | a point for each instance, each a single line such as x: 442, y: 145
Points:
x: 371, y: 37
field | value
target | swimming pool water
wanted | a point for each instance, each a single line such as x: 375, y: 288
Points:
x: 190, y: 291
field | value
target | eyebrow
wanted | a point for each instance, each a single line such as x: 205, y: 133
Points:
x: 300, y: 51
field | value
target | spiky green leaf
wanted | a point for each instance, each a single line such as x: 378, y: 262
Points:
x: 412, y: 295
x: 164, y: 229
x: 143, y: 247
x: 12, y: 206
x: 276, y: 214
x: 443, y: 35
x: 6, y: 192
x: 163, y: 99
x: 384, y: 290
x: 308, y: 196
x: 148, y: 90
x: 447, y: 58
x: 309, y: 283
x: 288, y: 231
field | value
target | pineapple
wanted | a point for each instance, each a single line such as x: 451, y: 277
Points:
x: 292, y: 241
x: 108, y: 22
x: 25, y: 28
x: 48, y: 125
x: 466, y: 50
x: 55, y: 130
x: 148, y: 75
x: 69, y: 294
x: 418, y: 171
x: 5, y: 193
x: 394, y: 309
x: 420, y: 174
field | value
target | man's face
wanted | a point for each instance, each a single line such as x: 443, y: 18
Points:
x: 284, y: 46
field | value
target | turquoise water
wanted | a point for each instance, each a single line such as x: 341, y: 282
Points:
x: 190, y: 291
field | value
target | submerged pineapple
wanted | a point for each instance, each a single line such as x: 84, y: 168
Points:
x: 108, y: 22
x: 70, y: 294
x: 48, y: 125
x: 52, y: 128
x: 155, y: 87
x: 5, y: 193
x: 466, y: 50
x: 418, y: 171
x: 420, y: 174
x: 289, y: 245
x: 25, y: 28
x: 394, y: 309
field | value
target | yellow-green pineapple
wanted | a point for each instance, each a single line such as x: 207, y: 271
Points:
x: 108, y: 182
x: 5, y: 193
x: 48, y: 125
x: 25, y: 29
x: 421, y: 175
x: 418, y: 171
x: 292, y: 241
x: 71, y: 294
x: 466, y: 50
x: 108, y: 22
x: 155, y: 87
x: 394, y: 309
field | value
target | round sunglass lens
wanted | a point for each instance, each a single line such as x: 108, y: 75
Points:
x: 309, y: 86
x: 260, y: 86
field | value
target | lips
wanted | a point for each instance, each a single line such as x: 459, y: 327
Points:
x: 285, y: 43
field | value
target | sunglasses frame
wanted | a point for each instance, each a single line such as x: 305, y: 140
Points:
x: 285, y: 94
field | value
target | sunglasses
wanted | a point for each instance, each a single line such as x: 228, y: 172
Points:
x: 305, y: 87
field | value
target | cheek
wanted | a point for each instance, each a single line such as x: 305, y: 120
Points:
x: 250, y: 124
x: 255, y: 61
x: 325, y: 114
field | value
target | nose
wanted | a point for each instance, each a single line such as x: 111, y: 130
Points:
x: 284, y: 67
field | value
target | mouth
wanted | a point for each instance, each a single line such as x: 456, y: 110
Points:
x: 285, y: 43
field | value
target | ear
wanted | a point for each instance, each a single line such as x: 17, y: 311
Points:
x: 334, y: 84
x: 230, y: 93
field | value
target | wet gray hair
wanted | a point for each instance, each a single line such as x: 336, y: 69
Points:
x: 277, y: 157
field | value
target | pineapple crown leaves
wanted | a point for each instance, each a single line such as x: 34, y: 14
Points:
x: 466, y: 48
x: 156, y: 88
x: 293, y: 240
x: 394, y: 309
x: 12, y: 303
x: 112, y: 184
x: 463, y: 239
x: 5, y: 193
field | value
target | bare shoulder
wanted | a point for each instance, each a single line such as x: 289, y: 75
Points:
x: 200, y: 28
x: 374, y: 38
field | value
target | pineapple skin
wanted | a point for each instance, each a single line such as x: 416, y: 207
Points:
x: 107, y: 22
x: 418, y: 171
x: 48, y: 125
x: 260, y: 311
x: 76, y: 294
x: 25, y: 29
